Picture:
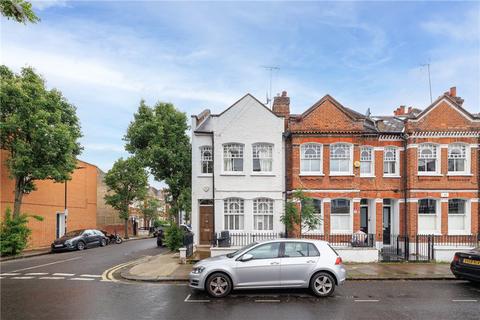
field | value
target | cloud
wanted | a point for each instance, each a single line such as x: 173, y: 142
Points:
x: 45, y: 4
x: 465, y: 27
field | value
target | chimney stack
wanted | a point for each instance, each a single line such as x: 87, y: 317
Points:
x: 400, y: 111
x: 453, y: 92
x: 281, y: 106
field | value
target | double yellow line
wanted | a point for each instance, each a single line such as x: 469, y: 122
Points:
x: 107, y: 275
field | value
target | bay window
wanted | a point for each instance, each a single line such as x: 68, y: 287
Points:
x: 233, y: 157
x: 233, y: 209
x: 340, y: 216
x: 262, y: 157
x: 428, y: 159
x: 340, y: 159
x: 263, y: 214
x: 311, y: 158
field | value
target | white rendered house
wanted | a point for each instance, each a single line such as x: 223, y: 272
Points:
x: 238, y: 171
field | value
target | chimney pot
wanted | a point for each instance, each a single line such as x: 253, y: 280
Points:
x: 284, y: 93
x: 453, y: 91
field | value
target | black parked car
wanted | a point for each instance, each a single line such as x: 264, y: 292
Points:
x: 79, y: 240
x: 466, y: 265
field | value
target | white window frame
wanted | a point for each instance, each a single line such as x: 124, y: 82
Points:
x: 467, y: 158
x: 350, y: 215
x: 397, y: 161
x: 466, y: 216
x: 350, y: 160
x: 320, y: 227
x: 437, y: 158
x: 204, y: 159
x: 228, y: 213
x: 257, y: 212
x: 437, y: 217
x: 241, y: 147
x: 363, y: 160
x: 269, y: 156
x: 318, y: 148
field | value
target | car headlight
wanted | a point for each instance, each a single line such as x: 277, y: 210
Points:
x: 198, y: 270
x: 68, y: 242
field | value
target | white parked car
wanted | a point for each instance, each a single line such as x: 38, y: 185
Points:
x: 283, y: 263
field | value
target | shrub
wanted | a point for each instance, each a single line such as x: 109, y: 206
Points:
x: 174, y: 237
x: 14, y: 233
x: 160, y: 223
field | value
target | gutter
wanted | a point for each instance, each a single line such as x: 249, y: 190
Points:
x: 405, y: 183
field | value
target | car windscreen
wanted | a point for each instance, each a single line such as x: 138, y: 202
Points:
x: 233, y: 254
x: 74, y: 233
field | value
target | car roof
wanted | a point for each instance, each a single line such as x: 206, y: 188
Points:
x: 293, y: 240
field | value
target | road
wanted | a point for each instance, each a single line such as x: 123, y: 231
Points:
x: 70, y: 286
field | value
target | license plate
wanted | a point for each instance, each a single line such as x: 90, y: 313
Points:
x: 58, y: 245
x: 470, y: 261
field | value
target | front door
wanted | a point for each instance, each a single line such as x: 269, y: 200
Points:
x: 263, y: 270
x: 364, y: 219
x: 387, y: 225
x: 206, y: 223
x: 60, y: 230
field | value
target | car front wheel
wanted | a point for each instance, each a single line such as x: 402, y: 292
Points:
x: 218, y: 285
x: 322, y: 284
x: 80, y: 245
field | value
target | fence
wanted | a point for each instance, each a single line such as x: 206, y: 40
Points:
x: 226, y: 239
x: 344, y: 240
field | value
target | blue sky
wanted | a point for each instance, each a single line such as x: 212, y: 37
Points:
x: 107, y: 55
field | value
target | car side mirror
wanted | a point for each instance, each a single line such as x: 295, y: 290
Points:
x: 246, y: 257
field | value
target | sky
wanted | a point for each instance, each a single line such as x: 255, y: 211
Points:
x: 105, y: 56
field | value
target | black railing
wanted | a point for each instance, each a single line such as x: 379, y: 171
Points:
x: 344, y: 240
x: 240, y: 239
x: 455, y: 240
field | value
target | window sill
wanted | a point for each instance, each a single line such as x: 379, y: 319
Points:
x: 459, y: 233
x: 393, y: 176
x: 451, y: 174
x: 342, y: 232
x: 365, y: 176
x: 209, y: 175
x: 433, y: 233
x: 259, y: 174
x: 311, y: 174
x: 232, y: 174
x: 342, y: 175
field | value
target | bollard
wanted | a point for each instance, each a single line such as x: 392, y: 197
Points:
x: 183, y: 255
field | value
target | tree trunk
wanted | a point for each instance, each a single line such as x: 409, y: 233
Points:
x: 18, y: 196
x: 126, y: 228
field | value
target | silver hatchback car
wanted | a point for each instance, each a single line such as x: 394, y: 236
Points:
x: 283, y: 263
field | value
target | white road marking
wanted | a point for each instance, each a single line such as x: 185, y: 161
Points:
x: 465, y: 300
x: 64, y: 274
x: 84, y: 279
x: 266, y: 301
x: 187, y: 299
x: 9, y: 274
x: 36, y: 274
x: 22, y: 278
x: 373, y: 300
x: 91, y: 275
x: 52, y: 278
x: 48, y: 264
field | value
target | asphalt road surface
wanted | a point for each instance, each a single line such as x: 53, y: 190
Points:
x: 70, y: 286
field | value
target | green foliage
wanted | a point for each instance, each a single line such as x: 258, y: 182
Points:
x: 127, y: 181
x: 14, y: 233
x: 174, y: 237
x: 306, y: 216
x: 160, y: 223
x: 40, y: 130
x: 18, y: 10
x: 158, y: 136
x: 149, y: 208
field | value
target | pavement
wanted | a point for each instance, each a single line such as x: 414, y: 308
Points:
x: 76, y: 285
x: 166, y: 267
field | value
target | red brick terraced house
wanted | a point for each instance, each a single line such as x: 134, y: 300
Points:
x: 387, y: 181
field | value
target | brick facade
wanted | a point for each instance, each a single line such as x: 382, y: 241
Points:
x: 327, y: 123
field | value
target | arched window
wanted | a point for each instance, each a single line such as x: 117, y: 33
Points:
x: 340, y: 216
x: 311, y: 158
x: 262, y: 157
x: 366, y: 161
x: 457, y: 158
x: 428, y: 158
x: 206, y: 159
x: 263, y: 214
x: 233, y: 157
x: 233, y: 209
x: 390, y: 161
x: 341, y: 159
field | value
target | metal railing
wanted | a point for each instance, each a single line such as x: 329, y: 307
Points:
x: 240, y: 239
x: 344, y: 240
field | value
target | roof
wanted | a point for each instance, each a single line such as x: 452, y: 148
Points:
x: 388, y: 124
x: 455, y: 101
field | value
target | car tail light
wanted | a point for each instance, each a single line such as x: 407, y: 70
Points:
x: 456, y: 258
x: 338, y: 261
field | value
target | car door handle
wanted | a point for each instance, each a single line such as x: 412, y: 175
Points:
x: 311, y: 261
x: 274, y: 263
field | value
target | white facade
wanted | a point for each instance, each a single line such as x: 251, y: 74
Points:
x: 236, y: 183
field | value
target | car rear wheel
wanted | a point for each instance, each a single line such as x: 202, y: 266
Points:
x: 322, y: 284
x: 103, y: 243
x: 80, y: 245
x: 218, y: 285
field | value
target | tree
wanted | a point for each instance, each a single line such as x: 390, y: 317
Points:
x: 40, y: 130
x: 158, y: 136
x: 127, y: 182
x: 149, y: 208
x: 18, y: 10
x: 14, y: 233
x: 306, y: 217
